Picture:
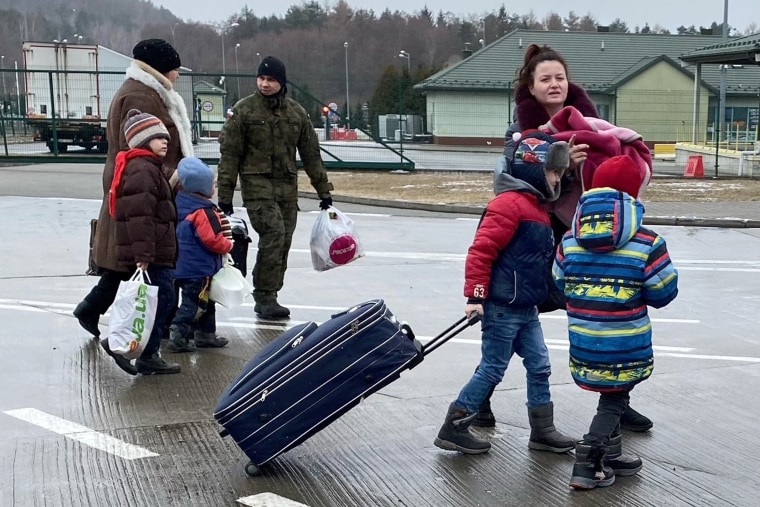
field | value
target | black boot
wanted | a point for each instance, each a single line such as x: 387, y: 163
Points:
x: 121, y: 361
x: 88, y: 318
x: 209, y: 340
x: 179, y: 342
x: 485, y: 418
x: 633, y: 421
x: 455, y: 433
x: 589, y: 471
x: 543, y: 435
x: 267, y: 306
x: 621, y: 464
x: 155, y: 365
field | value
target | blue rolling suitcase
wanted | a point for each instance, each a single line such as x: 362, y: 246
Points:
x: 311, y: 375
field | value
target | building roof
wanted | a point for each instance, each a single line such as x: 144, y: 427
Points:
x: 742, y: 51
x: 208, y: 88
x: 646, y: 63
x: 597, y: 61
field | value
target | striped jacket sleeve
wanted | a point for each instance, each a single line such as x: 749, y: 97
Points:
x: 660, y: 276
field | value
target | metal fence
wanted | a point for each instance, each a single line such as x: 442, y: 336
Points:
x: 60, y: 116
x: 48, y: 115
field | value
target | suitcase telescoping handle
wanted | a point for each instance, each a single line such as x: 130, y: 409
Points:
x: 450, y: 332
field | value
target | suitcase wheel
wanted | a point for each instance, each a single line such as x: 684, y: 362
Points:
x: 252, y: 469
x: 407, y: 330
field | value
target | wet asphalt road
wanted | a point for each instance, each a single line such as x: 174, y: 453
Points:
x: 75, y: 430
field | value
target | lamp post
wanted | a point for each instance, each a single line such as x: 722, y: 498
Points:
x: 5, y: 91
x: 405, y: 54
x: 259, y: 55
x: 721, y: 92
x: 224, y: 64
x: 237, y: 70
x: 348, y: 102
x: 78, y: 38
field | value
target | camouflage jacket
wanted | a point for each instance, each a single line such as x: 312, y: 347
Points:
x: 259, y: 143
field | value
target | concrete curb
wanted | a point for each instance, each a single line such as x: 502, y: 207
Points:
x: 729, y: 223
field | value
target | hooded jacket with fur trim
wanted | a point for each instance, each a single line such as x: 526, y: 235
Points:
x: 149, y: 91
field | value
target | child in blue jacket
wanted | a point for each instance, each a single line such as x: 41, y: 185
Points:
x: 610, y: 269
x: 203, y: 237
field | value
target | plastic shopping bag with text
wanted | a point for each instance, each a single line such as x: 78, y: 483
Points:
x: 334, y: 241
x: 132, y: 315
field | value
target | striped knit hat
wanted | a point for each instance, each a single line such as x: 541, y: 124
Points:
x: 141, y: 127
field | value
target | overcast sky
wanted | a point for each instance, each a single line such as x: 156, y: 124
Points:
x: 668, y: 13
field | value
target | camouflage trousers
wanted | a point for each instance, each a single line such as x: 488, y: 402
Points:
x: 274, y: 223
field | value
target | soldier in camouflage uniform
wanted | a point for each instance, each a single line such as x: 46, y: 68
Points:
x: 258, y: 144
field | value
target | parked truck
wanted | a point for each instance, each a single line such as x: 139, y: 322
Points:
x: 69, y: 88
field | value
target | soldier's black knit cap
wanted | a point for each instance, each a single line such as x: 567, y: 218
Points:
x: 157, y: 53
x: 271, y: 66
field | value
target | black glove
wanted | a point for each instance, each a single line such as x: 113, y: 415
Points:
x: 226, y: 208
x: 325, y: 203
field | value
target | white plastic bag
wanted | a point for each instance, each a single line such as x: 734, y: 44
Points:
x: 334, y: 241
x: 132, y: 315
x: 229, y: 287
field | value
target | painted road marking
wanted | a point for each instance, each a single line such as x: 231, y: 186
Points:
x: 309, y: 307
x: 661, y: 350
x: 751, y: 266
x: 269, y: 500
x: 563, y: 344
x: 254, y: 323
x: 81, y: 434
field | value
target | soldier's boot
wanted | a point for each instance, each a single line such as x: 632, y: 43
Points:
x: 455, y: 433
x: 209, y: 340
x: 543, y: 435
x: 267, y: 306
x: 589, y: 471
x: 485, y: 418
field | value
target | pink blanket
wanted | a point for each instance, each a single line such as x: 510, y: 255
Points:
x: 605, y: 140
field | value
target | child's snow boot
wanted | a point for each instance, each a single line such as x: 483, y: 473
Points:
x: 455, y: 433
x: 589, y: 471
x: 543, y: 435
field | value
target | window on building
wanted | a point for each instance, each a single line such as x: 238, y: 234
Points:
x: 604, y: 111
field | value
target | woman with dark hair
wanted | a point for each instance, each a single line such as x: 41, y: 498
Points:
x: 543, y: 89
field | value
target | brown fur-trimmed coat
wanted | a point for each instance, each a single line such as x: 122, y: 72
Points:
x: 150, y: 92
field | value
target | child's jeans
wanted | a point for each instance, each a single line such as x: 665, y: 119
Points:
x: 506, y: 331
x: 196, y: 312
x: 606, y: 422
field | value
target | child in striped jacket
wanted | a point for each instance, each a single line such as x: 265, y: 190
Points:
x: 611, y: 269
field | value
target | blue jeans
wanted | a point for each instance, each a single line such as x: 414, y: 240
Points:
x: 162, y: 277
x: 506, y: 331
x: 195, y: 313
